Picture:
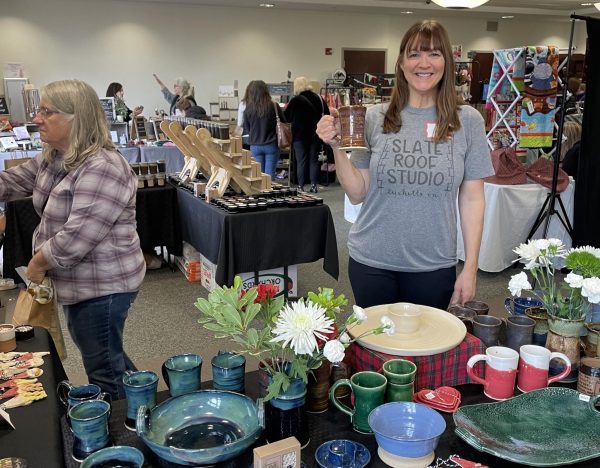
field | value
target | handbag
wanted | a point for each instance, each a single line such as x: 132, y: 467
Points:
x: 30, y: 312
x: 284, y: 131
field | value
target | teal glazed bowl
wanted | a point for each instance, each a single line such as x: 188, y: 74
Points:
x: 407, y: 429
x: 119, y: 455
x: 202, y: 427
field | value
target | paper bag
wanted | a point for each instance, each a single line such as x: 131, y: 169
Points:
x: 30, y: 312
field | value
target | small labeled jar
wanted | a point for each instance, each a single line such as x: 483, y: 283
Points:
x: 160, y: 179
x: 150, y: 180
x: 141, y: 181
x: 8, y: 340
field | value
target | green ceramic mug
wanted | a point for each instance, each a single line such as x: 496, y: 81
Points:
x: 399, y: 371
x: 368, y: 389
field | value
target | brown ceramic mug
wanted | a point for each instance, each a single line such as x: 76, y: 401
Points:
x: 352, y: 126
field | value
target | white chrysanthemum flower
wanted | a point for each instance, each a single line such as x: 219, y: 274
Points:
x: 334, y: 351
x: 389, y: 325
x: 591, y: 289
x: 574, y: 280
x: 300, y: 324
x: 359, y: 313
x: 587, y: 248
x: 528, y: 254
x: 345, y: 338
x: 556, y: 243
x: 541, y: 244
x: 517, y: 283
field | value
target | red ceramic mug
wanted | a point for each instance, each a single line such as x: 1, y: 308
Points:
x: 500, y: 371
x: 534, y: 365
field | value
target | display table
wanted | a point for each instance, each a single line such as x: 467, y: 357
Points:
x: 37, y: 437
x: 157, y: 218
x: 510, y: 211
x: 249, y: 242
x: 332, y: 424
x: 173, y: 158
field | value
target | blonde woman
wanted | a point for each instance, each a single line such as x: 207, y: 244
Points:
x: 86, y: 242
x: 182, y: 90
x: 304, y: 111
x: 424, y: 152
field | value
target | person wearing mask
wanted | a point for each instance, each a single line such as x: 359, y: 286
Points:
x: 182, y: 90
x: 115, y: 90
x: 86, y: 242
x: 260, y: 125
x: 304, y: 111
x: 424, y: 152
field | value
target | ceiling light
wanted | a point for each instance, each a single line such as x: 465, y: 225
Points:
x: 597, y: 5
x: 266, y: 5
x: 407, y: 12
x: 586, y: 4
x: 459, y: 4
x: 508, y: 17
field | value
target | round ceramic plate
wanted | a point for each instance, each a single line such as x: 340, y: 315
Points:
x: 363, y: 456
x: 439, y: 331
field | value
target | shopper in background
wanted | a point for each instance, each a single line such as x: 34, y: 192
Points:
x: 182, y: 91
x: 115, y: 90
x: 569, y: 150
x: 261, y: 126
x: 86, y: 242
x: 424, y: 152
x: 304, y: 111
x: 190, y: 111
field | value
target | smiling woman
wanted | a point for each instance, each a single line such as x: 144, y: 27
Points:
x: 424, y: 152
x: 86, y: 242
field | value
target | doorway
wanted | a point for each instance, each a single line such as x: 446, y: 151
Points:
x: 356, y: 61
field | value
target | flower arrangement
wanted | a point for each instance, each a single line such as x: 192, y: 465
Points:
x: 289, y: 340
x: 581, y: 286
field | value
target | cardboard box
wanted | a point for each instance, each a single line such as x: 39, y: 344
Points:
x: 275, y: 276
x: 281, y: 454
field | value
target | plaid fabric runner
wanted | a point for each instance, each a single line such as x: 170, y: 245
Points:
x: 449, y: 368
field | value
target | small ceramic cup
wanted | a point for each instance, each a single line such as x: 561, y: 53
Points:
x: 399, y: 392
x: 140, y: 389
x: 487, y: 329
x: 478, y: 306
x: 534, y: 365
x: 69, y: 395
x: 500, y: 371
x: 228, y: 371
x: 182, y: 373
x: 89, y: 423
x: 406, y: 317
x: 518, y: 331
x: 342, y: 453
x: 518, y: 305
x: 399, y: 371
x: 368, y: 389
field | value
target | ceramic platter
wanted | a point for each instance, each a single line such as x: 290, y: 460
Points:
x: 439, y: 331
x: 548, y: 427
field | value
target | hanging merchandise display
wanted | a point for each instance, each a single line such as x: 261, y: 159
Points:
x: 538, y: 106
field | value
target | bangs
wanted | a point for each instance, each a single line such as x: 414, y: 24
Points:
x: 424, y: 40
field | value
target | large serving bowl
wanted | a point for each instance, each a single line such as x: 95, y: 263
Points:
x: 407, y: 429
x: 201, y: 428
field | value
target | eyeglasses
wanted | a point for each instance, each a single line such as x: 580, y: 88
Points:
x: 45, y: 112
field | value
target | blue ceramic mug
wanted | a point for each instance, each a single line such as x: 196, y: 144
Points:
x: 140, y: 389
x: 228, y: 371
x: 518, y: 305
x: 89, y: 424
x: 69, y: 395
x: 182, y: 373
x: 119, y: 455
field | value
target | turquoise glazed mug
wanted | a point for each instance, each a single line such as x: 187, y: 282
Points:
x: 117, y: 456
x: 70, y: 395
x: 89, y: 424
x: 228, y: 371
x: 140, y: 389
x: 368, y: 389
x: 182, y: 373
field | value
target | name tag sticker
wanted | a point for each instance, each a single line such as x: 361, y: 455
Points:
x: 429, y: 129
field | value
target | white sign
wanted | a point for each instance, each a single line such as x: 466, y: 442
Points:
x: 14, y: 70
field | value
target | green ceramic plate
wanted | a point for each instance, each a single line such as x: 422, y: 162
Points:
x: 548, y: 427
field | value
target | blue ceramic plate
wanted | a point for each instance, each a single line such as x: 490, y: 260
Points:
x: 362, y: 454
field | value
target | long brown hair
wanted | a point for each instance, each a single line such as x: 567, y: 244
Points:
x: 424, y: 36
x: 257, y: 98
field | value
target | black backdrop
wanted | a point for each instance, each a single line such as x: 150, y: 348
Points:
x: 587, y: 188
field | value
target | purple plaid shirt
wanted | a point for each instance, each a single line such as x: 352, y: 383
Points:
x: 88, y: 228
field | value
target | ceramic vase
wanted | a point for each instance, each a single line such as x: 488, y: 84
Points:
x: 564, y: 337
x: 286, y: 414
x: 317, y: 390
x: 341, y: 370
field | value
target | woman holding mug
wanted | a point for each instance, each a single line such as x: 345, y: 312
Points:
x: 424, y: 152
x: 86, y: 242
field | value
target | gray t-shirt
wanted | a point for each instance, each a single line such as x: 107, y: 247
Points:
x: 408, y: 218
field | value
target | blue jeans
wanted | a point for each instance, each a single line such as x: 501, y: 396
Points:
x: 267, y: 156
x: 96, y: 327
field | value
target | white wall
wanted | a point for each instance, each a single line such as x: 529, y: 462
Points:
x: 104, y: 41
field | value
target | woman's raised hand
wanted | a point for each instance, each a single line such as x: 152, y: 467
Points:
x: 328, y: 128
x: 162, y: 85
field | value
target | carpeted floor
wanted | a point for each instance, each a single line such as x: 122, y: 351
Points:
x: 163, y: 320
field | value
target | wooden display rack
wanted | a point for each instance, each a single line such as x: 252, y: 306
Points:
x: 242, y: 170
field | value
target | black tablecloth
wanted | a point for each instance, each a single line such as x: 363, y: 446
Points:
x: 37, y: 437
x: 245, y: 242
x: 332, y: 424
x: 157, y: 218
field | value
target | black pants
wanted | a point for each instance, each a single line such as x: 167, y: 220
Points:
x: 307, y: 154
x: 375, y: 286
